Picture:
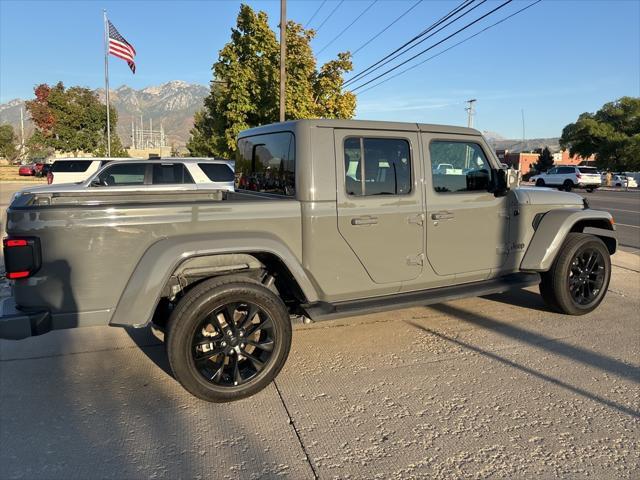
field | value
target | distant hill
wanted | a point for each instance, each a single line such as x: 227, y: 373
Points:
x: 498, y: 142
x: 171, y: 104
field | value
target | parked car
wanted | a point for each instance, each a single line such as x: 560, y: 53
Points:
x: 348, y: 217
x: 620, y: 180
x: 157, y: 174
x: 568, y: 177
x: 27, y: 170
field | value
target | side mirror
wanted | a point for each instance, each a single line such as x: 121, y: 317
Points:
x: 96, y: 182
x: 504, y: 180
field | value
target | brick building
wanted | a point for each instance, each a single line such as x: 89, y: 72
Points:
x: 524, y: 161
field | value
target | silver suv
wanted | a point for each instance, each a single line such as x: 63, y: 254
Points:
x: 156, y: 174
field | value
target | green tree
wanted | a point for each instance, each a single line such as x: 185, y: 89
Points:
x: 8, y: 148
x: 545, y: 160
x: 612, y: 134
x: 71, y: 120
x: 245, y: 89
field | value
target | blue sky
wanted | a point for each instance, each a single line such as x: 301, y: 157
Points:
x: 555, y: 60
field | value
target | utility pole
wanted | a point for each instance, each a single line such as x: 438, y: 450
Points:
x: 523, y: 135
x: 283, y: 56
x: 21, y: 132
x: 470, y: 112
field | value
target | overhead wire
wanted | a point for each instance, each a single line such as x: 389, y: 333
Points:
x: 438, y: 22
x: 329, y: 16
x: 451, y: 47
x: 347, y: 27
x: 422, y: 52
x: 315, y: 13
x: 387, y: 27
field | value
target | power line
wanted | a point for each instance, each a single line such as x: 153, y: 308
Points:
x: 449, y: 48
x: 401, y: 47
x: 387, y: 27
x: 433, y: 46
x: 315, y: 13
x: 347, y: 27
x: 329, y: 16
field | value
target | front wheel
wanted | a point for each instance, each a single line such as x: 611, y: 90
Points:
x: 539, y: 182
x: 579, y: 277
x: 228, y: 338
x: 589, y: 190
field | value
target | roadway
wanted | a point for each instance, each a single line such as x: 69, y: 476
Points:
x: 625, y: 208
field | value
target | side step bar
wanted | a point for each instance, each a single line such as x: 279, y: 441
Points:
x: 328, y: 311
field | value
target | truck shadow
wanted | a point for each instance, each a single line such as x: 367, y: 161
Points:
x: 541, y: 342
x: 152, y: 347
x: 547, y: 378
x: 521, y: 298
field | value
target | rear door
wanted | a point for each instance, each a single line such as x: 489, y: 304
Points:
x: 379, y: 201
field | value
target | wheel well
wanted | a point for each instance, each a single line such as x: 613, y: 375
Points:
x: 266, y: 268
x: 600, y: 223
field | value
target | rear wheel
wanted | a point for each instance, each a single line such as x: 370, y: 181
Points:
x: 589, y: 190
x: 539, y: 182
x: 567, y: 185
x: 579, y: 277
x: 228, y: 338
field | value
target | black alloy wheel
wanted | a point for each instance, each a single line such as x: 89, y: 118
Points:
x: 228, y: 338
x: 233, y: 343
x: 586, y: 276
x: 578, y: 279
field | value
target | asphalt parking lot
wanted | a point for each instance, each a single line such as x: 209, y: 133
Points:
x: 494, y: 387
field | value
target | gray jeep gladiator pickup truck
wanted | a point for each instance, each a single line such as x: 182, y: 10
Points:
x: 333, y: 218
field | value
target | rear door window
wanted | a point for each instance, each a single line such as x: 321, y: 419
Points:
x: 377, y: 166
x: 71, y: 166
x: 566, y: 170
x: 170, y: 173
x: 123, y: 175
x: 217, y: 172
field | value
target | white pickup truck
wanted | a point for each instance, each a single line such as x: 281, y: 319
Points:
x: 568, y: 177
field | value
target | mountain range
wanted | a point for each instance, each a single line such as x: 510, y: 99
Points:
x: 171, y: 105
x: 174, y: 103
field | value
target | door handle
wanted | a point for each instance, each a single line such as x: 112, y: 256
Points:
x: 442, y: 215
x: 364, y: 221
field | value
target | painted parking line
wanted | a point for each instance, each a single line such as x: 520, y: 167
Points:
x: 625, y: 225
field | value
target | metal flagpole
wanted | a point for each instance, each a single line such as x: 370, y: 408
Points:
x: 283, y: 56
x: 106, y: 79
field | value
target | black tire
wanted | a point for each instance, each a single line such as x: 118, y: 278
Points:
x: 239, y: 369
x: 567, y: 185
x: 563, y: 288
x: 539, y: 182
x: 589, y: 190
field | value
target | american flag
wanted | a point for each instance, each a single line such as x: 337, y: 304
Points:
x: 119, y: 47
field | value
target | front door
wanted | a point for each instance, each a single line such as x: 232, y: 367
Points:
x: 467, y: 226
x: 379, y: 201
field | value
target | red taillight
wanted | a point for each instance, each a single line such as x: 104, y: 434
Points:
x: 578, y: 175
x: 22, y: 257
x: 49, y: 178
x: 15, y: 275
x: 11, y: 242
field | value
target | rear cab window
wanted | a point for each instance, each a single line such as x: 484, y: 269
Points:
x: 591, y: 170
x: 217, y: 172
x: 71, y: 166
x: 266, y: 163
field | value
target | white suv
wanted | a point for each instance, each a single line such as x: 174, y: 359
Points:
x: 568, y: 177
